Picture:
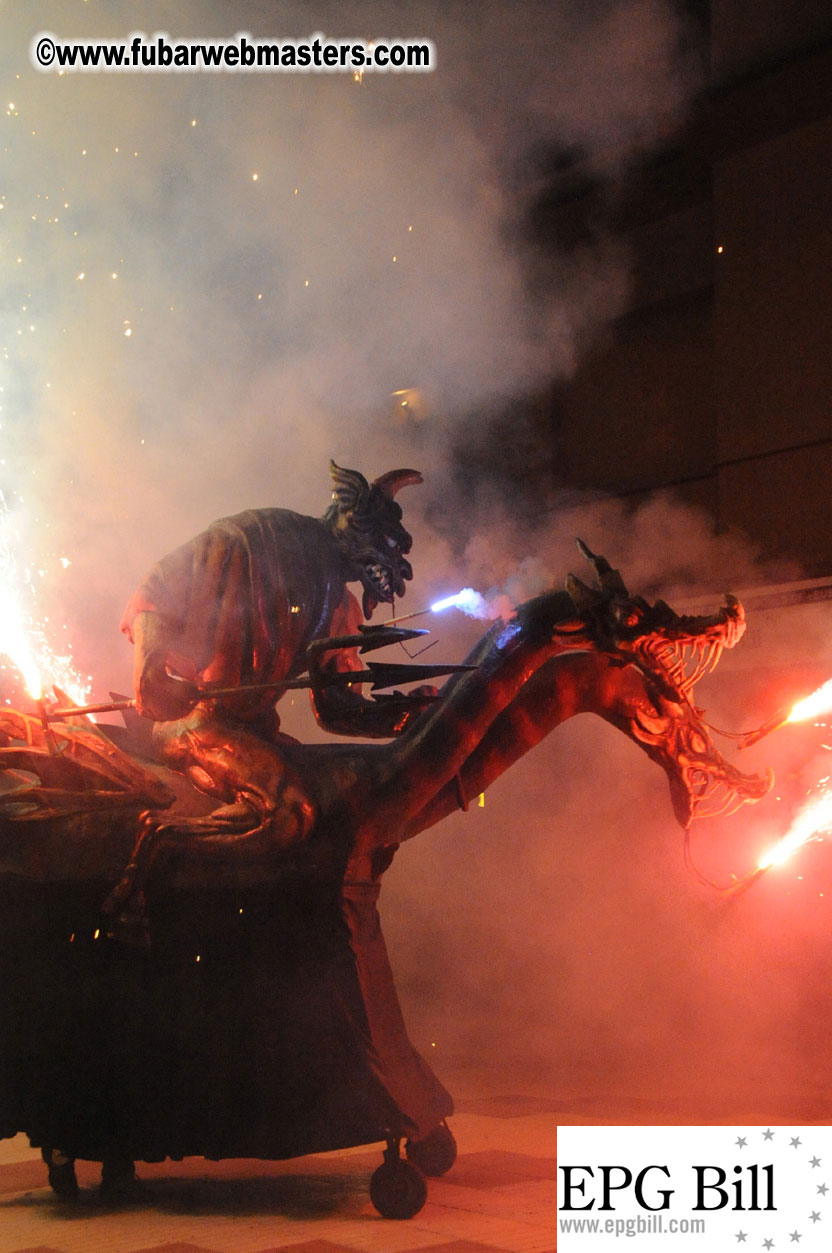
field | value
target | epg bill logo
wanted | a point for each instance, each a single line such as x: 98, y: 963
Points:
x: 708, y: 1195
x: 713, y: 1188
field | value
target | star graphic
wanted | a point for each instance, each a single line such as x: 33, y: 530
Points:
x: 816, y: 1161
x: 795, y: 1142
x: 794, y: 1236
x: 740, y: 1142
x: 768, y: 1135
x: 815, y: 1216
x: 823, y: 1188
x: 741, y: 1237
x: 768, y: 1244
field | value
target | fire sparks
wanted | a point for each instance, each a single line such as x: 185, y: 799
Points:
x: 23, y: 639
x: 814, y: 706
x: 813, y: 819
x: 15, y: 631
x: 14, y: 642
x: 817, y: 705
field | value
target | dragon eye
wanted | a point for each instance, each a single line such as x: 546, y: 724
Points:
x: 391, y: 543
x: 628, y: 616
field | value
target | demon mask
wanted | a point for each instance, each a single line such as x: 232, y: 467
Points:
x: 367, y: 525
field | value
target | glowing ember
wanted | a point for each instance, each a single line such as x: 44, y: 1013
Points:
x: 809, y: 823
x: 820, y: 702
x: 467, y: 600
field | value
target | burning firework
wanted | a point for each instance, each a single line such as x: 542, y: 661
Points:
x: 816, y: 705
x: 23, y: 639
x: 469, y: 601
x: 814, y: 819
x: 810, y: 824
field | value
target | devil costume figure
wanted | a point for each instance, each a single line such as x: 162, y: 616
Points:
x: 239, y: 605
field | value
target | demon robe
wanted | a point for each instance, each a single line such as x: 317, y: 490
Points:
x: 245, y: 598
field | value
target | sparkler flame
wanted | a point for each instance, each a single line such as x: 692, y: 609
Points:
x: 820, y: 702
x: 14, y: 636
x: 467, y: 600
x: 817, y: 705
x: 22, y: 639
x: 15, y: 645
x: 813, y: 819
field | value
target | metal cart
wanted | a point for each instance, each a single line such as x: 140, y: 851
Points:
x: 261, y: 1022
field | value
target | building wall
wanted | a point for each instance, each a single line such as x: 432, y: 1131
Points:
x: 718, y: 380
x: 749, y: 33
x: 773, y: 340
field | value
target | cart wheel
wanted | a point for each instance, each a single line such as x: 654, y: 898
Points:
x: 398, y: 1189
x: 435, y: 1154
x: 61, y: 1174
x: 118, y: 1179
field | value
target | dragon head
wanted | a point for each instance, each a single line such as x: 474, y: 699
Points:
x: 672, y: 653
x: 366, y: 523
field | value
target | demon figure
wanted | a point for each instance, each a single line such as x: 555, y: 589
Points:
x: 237, y: 607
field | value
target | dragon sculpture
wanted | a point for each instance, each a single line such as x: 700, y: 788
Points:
x: 75, y: 802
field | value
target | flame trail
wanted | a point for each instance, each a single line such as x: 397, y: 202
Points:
x: 22, y: 638
x: 813, y: 819
x: 820, y: 702
x: 816, y: 705
x: 14, y: 642
x: 14, y: 631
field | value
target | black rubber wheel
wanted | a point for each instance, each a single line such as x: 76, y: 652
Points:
x: 435, y: 1154
x: 61, y: 1170
x: 118, y: 1179
x: 398, y: 1189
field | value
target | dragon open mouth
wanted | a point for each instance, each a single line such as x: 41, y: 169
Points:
x: 674, y: 659
x: 683, y: 665
x: 673, y: 652
x: 680, y: 651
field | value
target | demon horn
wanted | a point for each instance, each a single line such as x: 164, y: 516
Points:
x: 583, y: 598
x: 349, y: 487
x: 393, y: 480
x: 609, y: 580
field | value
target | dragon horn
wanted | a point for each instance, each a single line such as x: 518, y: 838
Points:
x: 393, y: 480
x: 609, y: 580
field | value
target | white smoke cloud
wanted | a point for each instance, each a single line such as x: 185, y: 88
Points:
x: 268, y: 326
x: 183, y: 340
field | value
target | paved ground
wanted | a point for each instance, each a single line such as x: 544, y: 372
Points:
x: 498, y: 1198
x: 500, y: 1195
